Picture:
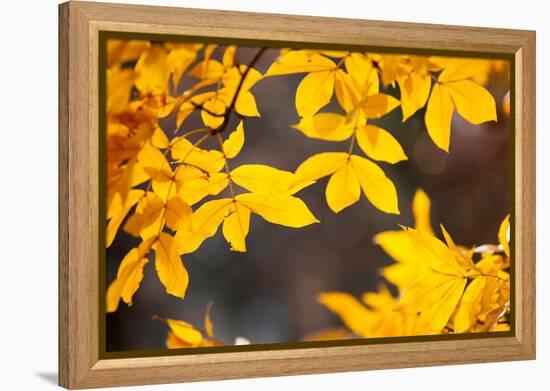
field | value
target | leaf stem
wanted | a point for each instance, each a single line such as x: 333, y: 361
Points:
x: 182, y: 162
x: 226, y: 166
x: 231, y: 107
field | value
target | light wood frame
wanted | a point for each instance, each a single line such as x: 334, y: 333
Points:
x: 79, y: 363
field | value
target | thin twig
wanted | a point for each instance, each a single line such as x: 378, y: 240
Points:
x: 231, y: 107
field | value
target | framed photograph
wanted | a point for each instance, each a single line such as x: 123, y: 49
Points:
x: 247, y: 195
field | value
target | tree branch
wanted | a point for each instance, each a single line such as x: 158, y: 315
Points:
x: 231, y: 107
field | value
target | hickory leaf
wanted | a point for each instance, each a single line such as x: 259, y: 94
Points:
x: 454, y: 90
x: 259, y: 178
x: 170, y: 269
x: 366, y: 175
x: 129, y: 276
x: 234, y: 142
x: 279, y: 209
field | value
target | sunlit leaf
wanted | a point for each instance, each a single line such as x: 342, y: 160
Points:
x: 259, y: 178
x: 439, y: 113
x: 278, y: 209
x: 170, y: 269
x: 129, y: 276
x: 377, y: 187
x: 314, y: 92
x: 472, y: 101
x: 421, y: 207
x: 504, y: 235
x: 343, y: 189
x: 353, y: 313
x: 379, y: 144
x: 236, y: 226
x: 326, y: 126
x: 234, y: 142
x: 300, y: 61
x: 377, y: 105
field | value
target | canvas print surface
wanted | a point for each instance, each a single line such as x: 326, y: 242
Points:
x: 282, y: 195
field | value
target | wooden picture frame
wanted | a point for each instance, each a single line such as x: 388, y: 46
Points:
x: 80, y: 362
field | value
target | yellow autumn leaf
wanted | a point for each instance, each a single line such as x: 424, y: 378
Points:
x: 389, y: 64
x: 343, y: 189
x: 455, y: 90
x: 208, y: 160
x: 209, y: 71
x: 129, y: 276
x: 213, y: 114
x: 228, y: 59
x: 438, y: 256
x: 314, y: 92
x: 415, y: 90
x: 347, y: 91
x: 408, y: 267
x: 236, y: 225
x: 388, y: 320
x: 259, y: 178
x: 155, y: 164
x: 119, y: 86
x: 195, y: 189
x: 234, y: 142
x: 208, y: 325
x: 320, y: 165
x: 397, y: 244
x: 455, y: 69
x: 147, y: 220
x: 205, y: 222
x: 234, y: 76
x: 473, y: 102
x: 121, y: 50
x: 353, y: 313
x: 279, y: 209
x: 245, y: 103
x: 469, y: 305
x: 184, y: 335
x: 178, y: 61
x: 159, y: 139
x: 170, y: 269
x: 376, y: 186
x: 300, y: 61
x: 118, y: 211
x: 421, y: 207
x: 434, y: 318
x: 379, y: 144
x: 504, y: 235
x: 177, y: 214
x: 380, y: 300
x: 235, y: 214
x: 363, y: 73
x: 185, y: 331
x: 151, y: 71
x: 437, y: 292
x: 326, y: 126
x: 439, y: 113
x: 377, y: 105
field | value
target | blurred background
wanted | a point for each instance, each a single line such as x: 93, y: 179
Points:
x: 268, y: 294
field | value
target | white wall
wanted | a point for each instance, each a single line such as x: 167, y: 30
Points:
x: 28, y: 218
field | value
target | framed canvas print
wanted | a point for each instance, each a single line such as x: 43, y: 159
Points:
x: 257, y: 195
